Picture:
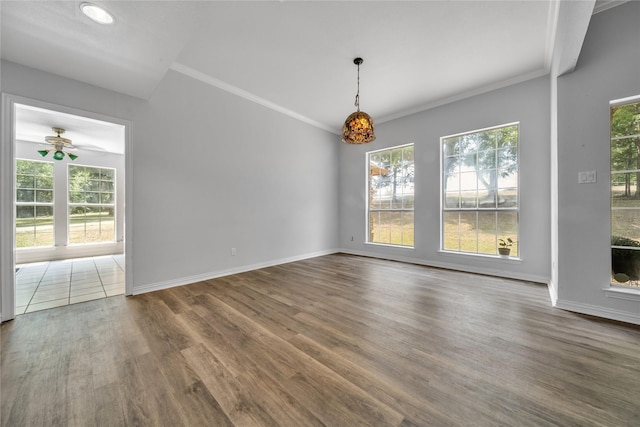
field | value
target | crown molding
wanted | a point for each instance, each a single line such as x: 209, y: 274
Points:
x: 464, y: 95
x: 212, y: 81
x: 602, y: 5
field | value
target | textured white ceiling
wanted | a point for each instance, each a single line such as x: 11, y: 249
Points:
x: 299, y: 55
x: 130, y: 56
x: 295, y: 57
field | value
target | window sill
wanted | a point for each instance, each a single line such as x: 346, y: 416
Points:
x: 35, y: 248
x: 70, y: 245
x: 619, y: 292
x: 79, y: 245
x: 387, y: 245
x: 472, y: 255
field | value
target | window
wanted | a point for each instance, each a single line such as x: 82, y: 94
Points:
x: 480, y: 190
x: 391, y: 177
x: 91, y: 204
x: 34, y: 203
x: 625, y: 193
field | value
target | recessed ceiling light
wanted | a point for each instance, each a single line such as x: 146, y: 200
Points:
x: 96, y: 13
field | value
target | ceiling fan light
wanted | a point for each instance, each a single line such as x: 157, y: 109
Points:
x: 96, y: 13
x: 59, y: 144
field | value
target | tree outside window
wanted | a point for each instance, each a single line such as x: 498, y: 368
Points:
x: 91, y: 204
x: 480, y: 190
x: 391, y: 196
x: 34, y: 204
x: 625, y: 194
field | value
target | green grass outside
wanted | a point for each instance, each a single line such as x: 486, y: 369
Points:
x: 481, y: 237
x: 84, y: 229
x: 48, y: 220
x: 391, y: 228
x: 395, y: 229
x: 625, y: 222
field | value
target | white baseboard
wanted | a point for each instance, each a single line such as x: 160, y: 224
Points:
x: 598, y: 311
x: 137, y: 290
x: 457, y: 267
x: 553, y: 292
x: 24, y: 256
x: 577, y: 307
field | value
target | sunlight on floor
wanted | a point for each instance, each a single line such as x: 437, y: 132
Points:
x: 51, y: 284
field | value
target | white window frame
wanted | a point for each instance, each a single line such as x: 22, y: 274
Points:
x: 111, y: 205
x: 369, y: 209
x: 35, y: 203
x: 477, y: 209
x: 632, y: 290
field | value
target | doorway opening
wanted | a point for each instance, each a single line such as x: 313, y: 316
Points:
x: 68, y: 198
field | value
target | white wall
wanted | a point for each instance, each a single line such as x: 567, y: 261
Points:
x: 210, y: 171
x: 527, y: 103
x: 215, y: 172
x: 608, y: 69
x: 29, y: 151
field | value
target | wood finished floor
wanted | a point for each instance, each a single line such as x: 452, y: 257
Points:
x: 337, y: 340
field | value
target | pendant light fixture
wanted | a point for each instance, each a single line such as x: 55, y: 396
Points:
x: 59, y: 144
x: 358, y: 128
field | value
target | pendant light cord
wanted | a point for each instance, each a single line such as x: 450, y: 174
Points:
x: 357, y: 103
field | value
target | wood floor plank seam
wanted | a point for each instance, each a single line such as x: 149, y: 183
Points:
x: 261, y: 333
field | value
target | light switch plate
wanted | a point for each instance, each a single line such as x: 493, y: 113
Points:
x: 586, y: 177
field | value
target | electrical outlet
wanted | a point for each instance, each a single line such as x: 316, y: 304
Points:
x: 233, y: 251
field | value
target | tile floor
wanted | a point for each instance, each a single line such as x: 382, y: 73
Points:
x: 51, y: 284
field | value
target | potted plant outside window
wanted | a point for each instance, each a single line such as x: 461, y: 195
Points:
x: 504, y: 246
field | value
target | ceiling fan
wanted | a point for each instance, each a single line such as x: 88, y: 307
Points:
x: 59, y: 145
